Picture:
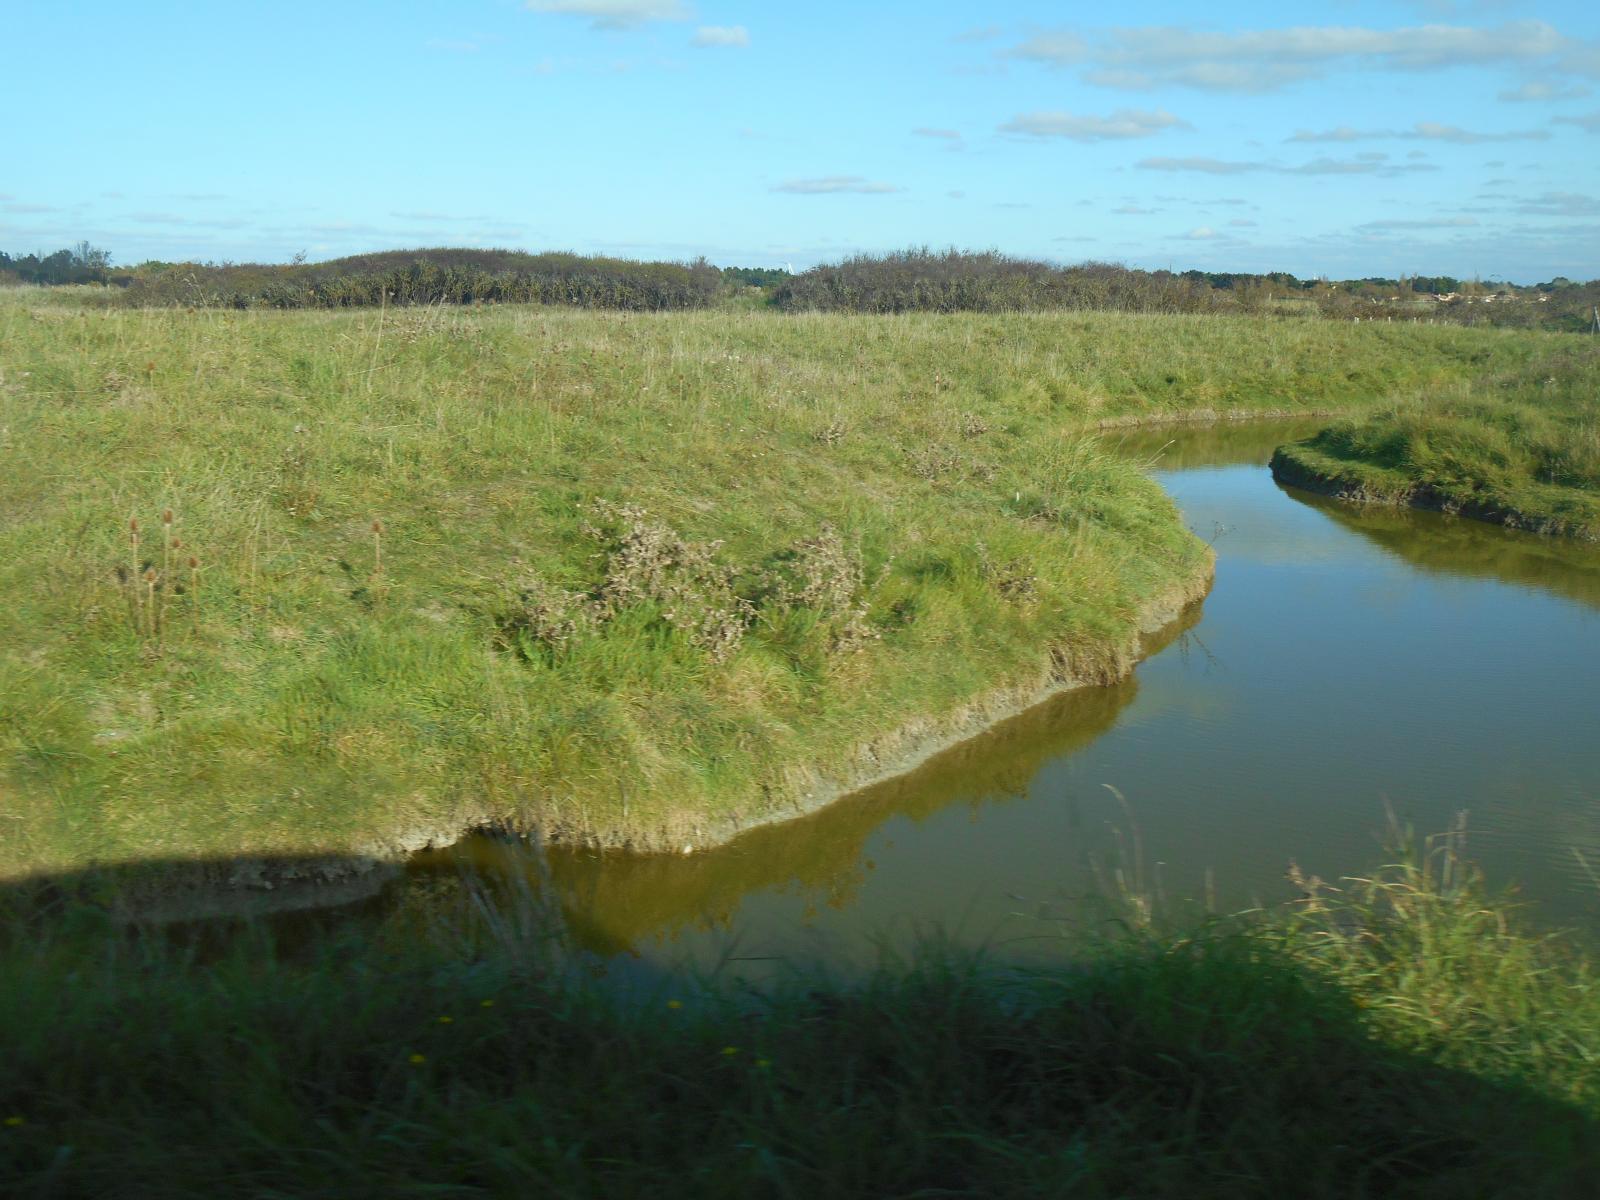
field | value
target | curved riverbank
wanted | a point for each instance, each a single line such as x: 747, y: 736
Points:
x: 1298, y: 465
x: 808, y: 787
x: 1518, y: 448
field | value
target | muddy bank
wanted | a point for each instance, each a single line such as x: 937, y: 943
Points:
x: 1211, y: 416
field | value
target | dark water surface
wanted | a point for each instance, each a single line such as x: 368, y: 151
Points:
x: 1347, y: 662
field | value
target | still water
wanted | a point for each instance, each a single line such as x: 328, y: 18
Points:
x: 1347, y: 665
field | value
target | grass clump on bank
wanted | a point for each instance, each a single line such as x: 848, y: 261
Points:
x: 633, y: 579
x: 1399, y: 1037
x: 1521, y: 448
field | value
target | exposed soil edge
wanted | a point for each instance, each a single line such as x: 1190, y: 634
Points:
x: 804, y: 790
x: 1291, y: 472
x: 1209, y: 416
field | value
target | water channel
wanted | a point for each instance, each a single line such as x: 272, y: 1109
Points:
x: 1349, y: 663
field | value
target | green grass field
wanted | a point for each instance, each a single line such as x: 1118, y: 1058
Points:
x: 1520, y: 448
x: 639, y: 579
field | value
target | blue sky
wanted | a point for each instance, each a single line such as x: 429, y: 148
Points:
x: 1344, y: 139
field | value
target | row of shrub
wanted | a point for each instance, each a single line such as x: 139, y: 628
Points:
x: 959, y: 281
x: 433, y: 277
x: 920, y: 280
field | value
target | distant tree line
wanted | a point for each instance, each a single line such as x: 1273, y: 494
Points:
x: 914, y: 280
x: 81, y: 264
x: 761, y: 277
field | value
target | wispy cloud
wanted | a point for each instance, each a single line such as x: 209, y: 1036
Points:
x: 1266, y: 60
x: 428, y: 216
x: 1588, y: 122
x: 982, y: 33
x: 179, y: 219
x: 614, y: 14
x: 1431, y: 131
x: 1560, y: 204
x: 1204, y: 166
x: 1124, y: 123
x: 947, y: 135
x: 831, y: 184
x: 721, y: 35
x: 1398, y: 224
x: 1540, y: 90
x: 1375, y: 164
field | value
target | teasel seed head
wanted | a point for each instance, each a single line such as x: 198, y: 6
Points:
x: 166, y: 516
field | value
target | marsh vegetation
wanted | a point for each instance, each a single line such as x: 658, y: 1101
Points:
x: 1518, y: 447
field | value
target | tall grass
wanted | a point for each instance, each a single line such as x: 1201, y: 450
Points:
x: 1398, y: 1035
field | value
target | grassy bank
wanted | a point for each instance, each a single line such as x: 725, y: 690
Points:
x: 1398, y: 1037
x: 631, y: 578
x: 1519, y: 448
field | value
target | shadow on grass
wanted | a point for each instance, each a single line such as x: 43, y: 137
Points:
x: 473, y: 1054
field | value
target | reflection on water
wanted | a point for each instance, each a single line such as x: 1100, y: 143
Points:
x: 1347, y: 661
x: 1455, y: 546
x: 1179, y: 447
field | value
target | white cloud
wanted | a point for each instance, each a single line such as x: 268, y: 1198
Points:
x: 1124, y: 123
x: 615, y: 14
x: 1539, y: 91
x: 721, y: 35
x: 1203, y: 234
x: 1266, y: 60
x: 1588, y: 122
x: 831, y: 184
